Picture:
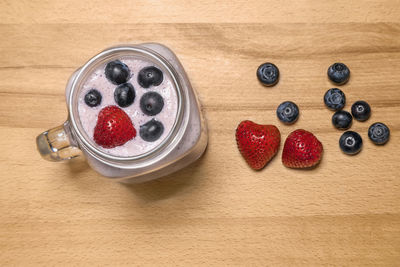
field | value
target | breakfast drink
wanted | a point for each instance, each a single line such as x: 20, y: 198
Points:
x: 132, y: 113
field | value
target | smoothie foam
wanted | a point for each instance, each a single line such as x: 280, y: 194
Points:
x: 167, y: 116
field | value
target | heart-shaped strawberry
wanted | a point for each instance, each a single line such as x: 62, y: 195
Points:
x: 114, y: 128
x: 301, y: 150
x: 257, y: 143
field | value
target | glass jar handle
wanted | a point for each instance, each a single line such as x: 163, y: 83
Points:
x: 55, y: 144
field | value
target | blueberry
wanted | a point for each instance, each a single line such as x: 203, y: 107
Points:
x: 350, y: 142
x: 150, y: 76
x: 151, y: 103
x: 117, y: 72
x: 93, y: 98
x: 124, y: 95
x: 287, y: 112
x: 151, y: 130
x: 268, y: 74
x: 339, y: 73
x: 361, y: 110
x: 379, y: 133
x: 334, y: 99
x: 342, y: 120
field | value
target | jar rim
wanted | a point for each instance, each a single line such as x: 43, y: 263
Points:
x: 77, y: 128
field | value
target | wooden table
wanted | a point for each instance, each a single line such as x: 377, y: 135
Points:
x: 217, y: 212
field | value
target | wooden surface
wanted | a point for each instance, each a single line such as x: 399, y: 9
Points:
x: 217, y: 212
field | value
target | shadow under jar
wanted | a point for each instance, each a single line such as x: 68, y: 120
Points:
x: 176, y: 126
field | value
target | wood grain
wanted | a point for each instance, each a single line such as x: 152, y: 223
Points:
x: 216, y: 212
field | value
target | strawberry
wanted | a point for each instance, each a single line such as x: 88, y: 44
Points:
x: 257, y: 143
x: 301, y: 150
x: 114, y: 128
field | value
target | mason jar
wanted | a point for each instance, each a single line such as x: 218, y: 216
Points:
x: 184, y: 136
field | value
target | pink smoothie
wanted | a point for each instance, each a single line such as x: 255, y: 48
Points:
x: 167, y: 116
